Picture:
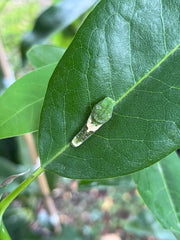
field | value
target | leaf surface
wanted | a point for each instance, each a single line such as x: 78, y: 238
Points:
x: 21, y: 103
x: 128, y: 51
x: 42, y: 55
x: 158, y: 185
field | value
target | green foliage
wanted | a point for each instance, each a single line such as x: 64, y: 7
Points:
x: 124, y: 183
x: 21, y: 103
x: 127, y: 51
x: 42, y: 55
x: 132, y: 57
x: 158, y: 185
x: 7, y: 168
x: 53, y: 19
x: 145, y: 224
x: 16, y: 19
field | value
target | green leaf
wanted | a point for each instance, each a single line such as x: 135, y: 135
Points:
x: 144, y: 224
x: 125, y: 183
x: 21, y: 103
x: 130, y: 52
x: 41, y: 55
x: 158, y: 185
x: 53, y: 19
x: 8, y: 168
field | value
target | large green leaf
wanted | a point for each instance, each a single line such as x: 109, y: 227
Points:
x: 158, y: 185
x: 41, y: 55
x: 53, y: 19
x: 128, y: 51
x: 21, y: 103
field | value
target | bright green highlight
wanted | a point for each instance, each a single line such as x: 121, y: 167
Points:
x: 4, y: 235
x: 102, y: 111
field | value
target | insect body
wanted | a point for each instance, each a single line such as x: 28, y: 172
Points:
x: 100, y: 114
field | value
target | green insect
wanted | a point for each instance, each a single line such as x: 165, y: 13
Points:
x: 101, y: 113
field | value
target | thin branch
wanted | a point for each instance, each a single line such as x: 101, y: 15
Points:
x: 4, y: 62
x: 43, y: 183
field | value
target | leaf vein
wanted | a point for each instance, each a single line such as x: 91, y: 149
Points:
x: 163, y: 27
x: 147, y: 74
x: 16, y: 113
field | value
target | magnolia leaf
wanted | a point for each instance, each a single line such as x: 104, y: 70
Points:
x: 128, y: 51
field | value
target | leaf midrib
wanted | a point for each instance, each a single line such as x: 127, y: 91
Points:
x: 22, y: 109
x: 147, y: 74
x: 123, y: 96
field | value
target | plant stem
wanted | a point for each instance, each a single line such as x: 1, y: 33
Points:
x: 4, y: 235
x: 6, y: 201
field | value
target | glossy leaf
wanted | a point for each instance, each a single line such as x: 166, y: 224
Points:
x: 41, y: 55
x: 158, y: 185
x: 53, y: 19
x: 21, y: 103
x: 128, y: 51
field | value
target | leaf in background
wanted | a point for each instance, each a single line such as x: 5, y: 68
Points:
x: 158, y: 185
x: 53, y: 19
x: 130, y: 52
x: 21, y: 103
x: 8, y: 168
x: 9, y: 149
x: 144, y: 224
x: 5, y: 185
x: 11, y: 178
x: 41, y: 55
x: 125, y: 183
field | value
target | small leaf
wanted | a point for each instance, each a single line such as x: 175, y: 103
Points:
x: 21, y: 103
x: 128, y: 51
x: 41, y: 55
x: 158, y: 185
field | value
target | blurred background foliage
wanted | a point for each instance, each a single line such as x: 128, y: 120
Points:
x: 107, y: 210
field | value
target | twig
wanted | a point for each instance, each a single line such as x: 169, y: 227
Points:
x: 4, y: 62
x: 43, y: 184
